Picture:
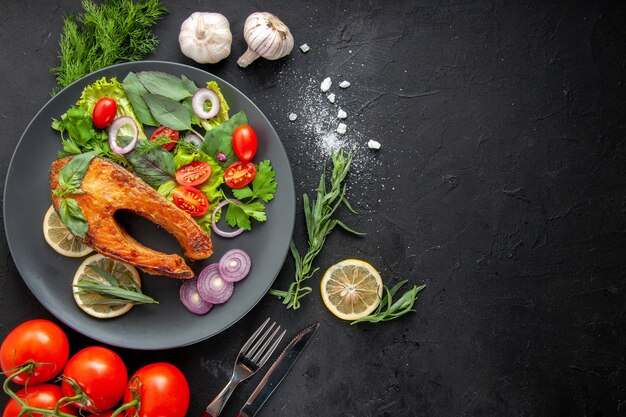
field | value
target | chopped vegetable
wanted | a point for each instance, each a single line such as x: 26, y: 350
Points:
x: 114, y: 130
x: 216, y: 229
x: 212, y: 287
x: 104, y: 112
x: 194, y: 173
x: 234, y: 265
x: 190, y: 297
x: 198, y: 103
x: 219, y: 138
x: 193, y: 139
x: 170, y: 136
x: 239, y: 174
x: 191, y: 200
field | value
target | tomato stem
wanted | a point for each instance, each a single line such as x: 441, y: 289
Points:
x: 126, y: 406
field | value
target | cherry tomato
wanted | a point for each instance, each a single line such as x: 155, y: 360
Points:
x: 101, y: 375
x: 162, y: 390
x: 166, y: 132
x: 191, y: 200
x: 40, y: 341
x: 245, y: 143
x: 239, y: 174
x: 44, y: 396
x: 105, y: 414
x: 104, y: 112
x: 194, y: 173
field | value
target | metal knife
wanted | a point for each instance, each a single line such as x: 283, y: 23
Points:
x: 277, y: 372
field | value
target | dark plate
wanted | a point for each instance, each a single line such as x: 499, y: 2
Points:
x: 168, y: 324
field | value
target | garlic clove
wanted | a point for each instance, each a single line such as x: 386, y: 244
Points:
x: 205, y: 37
x: 267, y: 36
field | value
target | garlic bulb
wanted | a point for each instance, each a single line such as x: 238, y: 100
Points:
x: 205, y: 37
x: 266, y: 36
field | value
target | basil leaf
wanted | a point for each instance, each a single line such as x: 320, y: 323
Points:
x: 163, y: 84
x: 135, y: 90
x: 154, y: 165
x: 220, y: 138
x: 72, y: 217
x: 72, y: 173
x: 168, y: 112
x: 189, y: 85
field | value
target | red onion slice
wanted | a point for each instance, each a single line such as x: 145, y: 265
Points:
x: 198, y: 100
x: 234, y: 265
x: 212, y: 287
x: 191, y: 299
x: 214, y: 224
x: 113, y: 131
x: 193, y: 138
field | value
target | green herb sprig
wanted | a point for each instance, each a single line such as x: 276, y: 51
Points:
x: 104, y: 34
x: 389, y: 309
x: 318, y: 215
x: 114, y: 292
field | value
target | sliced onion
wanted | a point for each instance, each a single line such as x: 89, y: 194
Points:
x: 214, y: 224
x: 113, y: 131
x: 212, y: 287
x: 221, y: 157
x: 191, y: 299
x: 198, y: 100
x: 193, y: 138
x: 234, y: 265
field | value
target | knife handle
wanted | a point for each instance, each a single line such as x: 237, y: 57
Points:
x: 241, y: 414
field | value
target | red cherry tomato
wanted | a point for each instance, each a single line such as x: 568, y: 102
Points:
x: 104, y: 112
x: 105, y: 414
x: 101, y: 375
x: 245, y: 143
x: 162, y: 390
x: 194, y: 173
x: 239, y: 174
x: 45, y: 396
x: 39, y: 341
x: 191, y: 200
x: 166, y: 132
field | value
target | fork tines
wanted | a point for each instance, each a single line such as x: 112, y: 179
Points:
x: 260, y: 347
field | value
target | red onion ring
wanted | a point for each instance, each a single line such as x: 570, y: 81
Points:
x: 198, y: 100
x: 193, y: 138
x: 216, y: 229
x: 234, y: 265
x: 114, y: 129
x: 191, y: 299
x: 212, y: 287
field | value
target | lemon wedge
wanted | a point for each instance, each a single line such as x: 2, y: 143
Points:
x: 60, y: 238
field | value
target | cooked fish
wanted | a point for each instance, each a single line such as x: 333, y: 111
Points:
x: 108, y: 188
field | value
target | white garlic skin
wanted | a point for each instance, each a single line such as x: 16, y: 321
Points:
x: 205, y: 37
x: 267, y: 36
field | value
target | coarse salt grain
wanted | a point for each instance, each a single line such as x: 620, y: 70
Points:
x: 341, y: 114
x: 344, y: 84
x: 304, y: 48
x: 325, y: 86
x: 372, y: 144
x: 331, y: 97
x: 342, y: 128
x: 293, y: 117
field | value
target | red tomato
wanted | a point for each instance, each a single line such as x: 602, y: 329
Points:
x: 239, y: 174
x: 166, y: 132
x: 40, y: 341
x: 44, y: 396
x: 101, y: 375
x: 104, y: 112
x: 245, y: 143
x: 194, y: 173
x: 162, y: 390
x: 191, y: 200
x: 105, y: 414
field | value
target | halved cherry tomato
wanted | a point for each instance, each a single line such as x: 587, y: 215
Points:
x: 166, y: 132
x: 245, y: 143
x: 39, y: 341
x: 162, y: 389
x: 104, y: 112
x: 194, y: 173
x: 101, y: 375
x: 45, y: 396
x: 239, y: 174
x: 191, y: 200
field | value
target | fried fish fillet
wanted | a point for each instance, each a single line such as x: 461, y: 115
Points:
x: 108, y: 188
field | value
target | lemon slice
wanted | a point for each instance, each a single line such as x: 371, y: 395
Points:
x: 60, y: 239
x: 122, y: 272
x: 351, y: 289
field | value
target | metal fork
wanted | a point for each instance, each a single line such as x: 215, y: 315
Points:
x: 252, y: 356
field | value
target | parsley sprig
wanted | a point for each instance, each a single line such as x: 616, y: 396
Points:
x: 320, y: 223
x: 389, y: 309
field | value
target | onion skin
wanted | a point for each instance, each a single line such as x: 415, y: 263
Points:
x: 243, y: 265
x: 115, y: 127
x: 207, y: 280
x: 191, y: 299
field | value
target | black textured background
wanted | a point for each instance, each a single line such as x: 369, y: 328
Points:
x: 500, y: 184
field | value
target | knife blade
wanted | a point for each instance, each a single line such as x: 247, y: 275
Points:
x: 277, y: 372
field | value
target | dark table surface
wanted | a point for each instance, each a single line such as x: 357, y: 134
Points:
x: 500, y: 184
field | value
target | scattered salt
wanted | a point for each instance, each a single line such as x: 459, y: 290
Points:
x: 344, y: 84
x: 326, y: 84
x: 293, y: 116
x: 372, y: 144
x: 341, y: 114
x: 304, y: 48
x: 331, y: 97
x: 341, y: 128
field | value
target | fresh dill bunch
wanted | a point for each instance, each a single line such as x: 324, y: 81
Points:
x: 112, y: 32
